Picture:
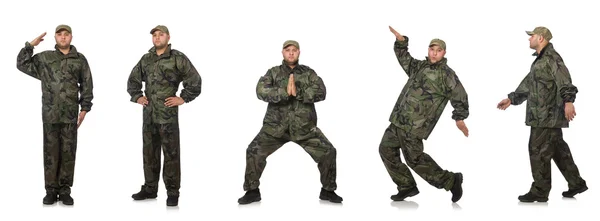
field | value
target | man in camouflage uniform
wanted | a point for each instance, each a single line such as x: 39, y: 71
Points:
x: 431, y: 84
x: 64, y: 74
x: 291, y: 89
x: 550, y: 96
x: 162, y: 69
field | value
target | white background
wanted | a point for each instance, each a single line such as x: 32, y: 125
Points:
x: 233, y: 43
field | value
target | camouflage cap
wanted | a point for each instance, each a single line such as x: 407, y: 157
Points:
x: 160, y: 28
x: 438, y: 42
x: 541, y: 31
x: 63, y: 27
x: 291, y: 42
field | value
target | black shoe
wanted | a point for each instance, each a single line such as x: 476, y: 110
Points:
x: 573, y: 192
x: 143, y: 194
x: 330, y: 195
x: 457, y: 190
x: 250, y: 197
x: 172, y: 200
x: 530, y: 198
x: 66, y: 199
x: 405, y: 193
x: 50, y: 198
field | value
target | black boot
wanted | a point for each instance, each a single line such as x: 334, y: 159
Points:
x: 172, y: 200
x: 573, y: 192
x: 530, y: 198
x: 143, y: 194
x: 457, y: 190
x: 250, y: 197
x: 66, y: 199
x: 405, y: 193
x: 330, y: 195
x: 50, y: 198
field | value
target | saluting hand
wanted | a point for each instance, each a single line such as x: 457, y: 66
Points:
x: 37, y: 40
x: 398, y: 35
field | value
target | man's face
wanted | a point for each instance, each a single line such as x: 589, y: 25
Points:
x: 63, y: 39
x: 160, y: 39
x: 534, y: 41
x: 291, y: 54
x: 436, y: 53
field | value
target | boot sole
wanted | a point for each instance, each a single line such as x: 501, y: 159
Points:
x: 411, y: 194
x: 251, y: 201
x: 531, y: 201
x: 329, y: 199
x: 145, y: 198
x: 49, y: 203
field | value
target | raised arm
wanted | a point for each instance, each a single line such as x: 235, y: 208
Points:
x: 407, y: 62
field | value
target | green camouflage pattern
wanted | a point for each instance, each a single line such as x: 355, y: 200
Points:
x: 264, y: 144
x: 63, y: 78
x: 426, y: 93
x: 546, y: 89
x: 290, y: 118
x: 165, y: 138
x: 394, y: 139
x: 60, y: 147
x: 295, y: 115
x: 545, y: 145
x: 162, y: 76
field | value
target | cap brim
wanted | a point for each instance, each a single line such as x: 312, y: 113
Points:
x: 59, y: 30
x: 529, y: 32
x: 153, y: 30
x: 287, y: 45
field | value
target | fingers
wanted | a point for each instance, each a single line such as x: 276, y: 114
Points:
x: 79, y: 121
x: 173, y: 101
x: 570, y: 116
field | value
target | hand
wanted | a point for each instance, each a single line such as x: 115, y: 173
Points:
x: 569, y: 111
x: 38, y: 39
x: 174, y: 101
x: 293, y: 84
x: 289, y: 85
x: 398, y: 35
x: 504, y: 104
x: 143, y: 101
x: 80, y: 118
x: 462, y: 127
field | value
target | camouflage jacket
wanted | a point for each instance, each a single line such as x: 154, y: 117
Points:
x: 295, y: 116
x: 162, y: 76
x: 426, y: 93
x: 546, y: 88
x: 63, y: 78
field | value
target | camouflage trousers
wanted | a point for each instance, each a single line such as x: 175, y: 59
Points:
x: 545, y: 145
x: 263, y: 145
x: 394, y: 139
x: 60, y: 146
x: 165, y: 138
